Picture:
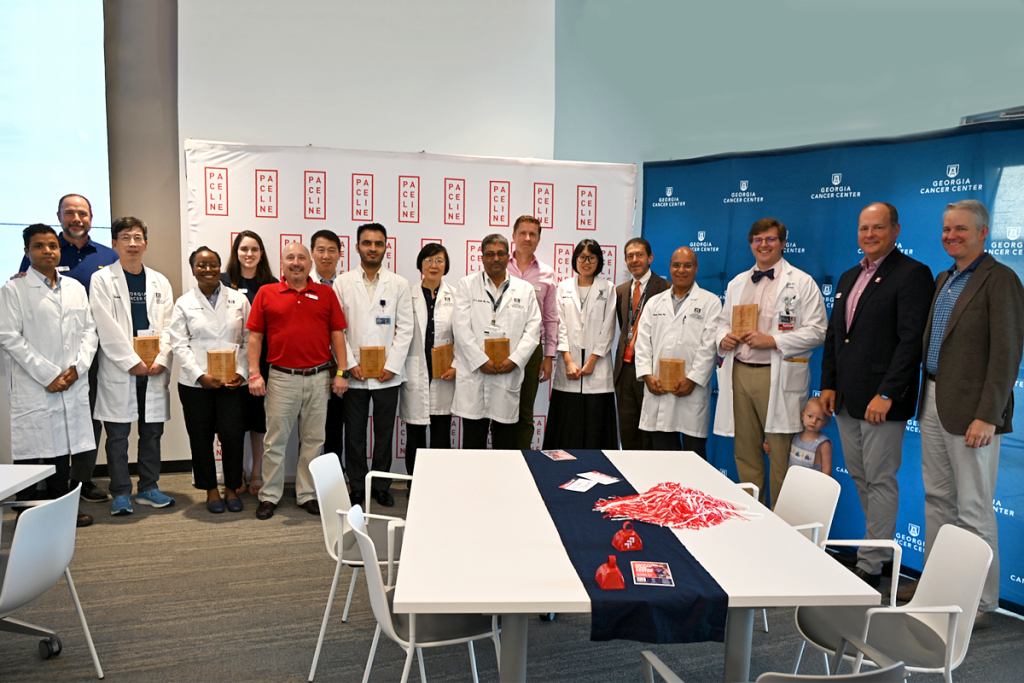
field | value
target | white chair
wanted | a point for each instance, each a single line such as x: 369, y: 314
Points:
x: 42, y: 548
x: 413, y: 632
x: 928, y: 633
x: 333, y: 496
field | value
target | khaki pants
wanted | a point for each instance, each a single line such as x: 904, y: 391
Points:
x: 750, y: 389
x: 291, y: 398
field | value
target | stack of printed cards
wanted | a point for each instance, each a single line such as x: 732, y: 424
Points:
x: 584, y: 481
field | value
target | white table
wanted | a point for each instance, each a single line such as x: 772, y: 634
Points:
x: 14, y: 478
x: 759, y: 563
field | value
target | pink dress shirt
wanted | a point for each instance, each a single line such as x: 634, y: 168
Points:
x: 867, y: 271
x: 542, y: 277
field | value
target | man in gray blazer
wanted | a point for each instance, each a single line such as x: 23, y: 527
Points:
x: 972, y: 352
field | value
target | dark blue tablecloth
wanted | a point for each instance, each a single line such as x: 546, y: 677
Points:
x: 693, y: 610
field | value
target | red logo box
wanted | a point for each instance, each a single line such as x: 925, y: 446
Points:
x: 544, y: 204
x: 408, y: 199
x: 500, y: 192
x: 539, y: 424
x: 230, y: 246
x: 266, y: 193
x: 454, y: 201
x: 285, y: 241
x: 474, y: 262
x: 362, y: 197
x: 391, y: 254
x: 316, y: 195
x: 563, y: 261
x: 216, y: 187
x: 586, y: 207
x: 401, y: 438
x: 424, y: 241
x: 611, y: 262
x: 343, y: 254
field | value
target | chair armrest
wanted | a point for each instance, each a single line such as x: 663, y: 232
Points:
x: 392, y: 525
x: 386, y: 475
x: 897, y: 556
x: 649, y: 662
x: 26, y: 503
x: 952, y: 610
x: 811, y: 526
x: 881, y: 660
x: 754, y: 493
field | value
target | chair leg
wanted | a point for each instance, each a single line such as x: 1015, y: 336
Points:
x: 764, y: 613
x: 497, y: 640
x: 799, y: 656
x: 373, y: 651
x: 327, y: 616
x: 828, y: 668
x: 85, y: 626
x: 423, y: 669
x: 351, y: 590
x: 472, y: 662
x: 408, y: 663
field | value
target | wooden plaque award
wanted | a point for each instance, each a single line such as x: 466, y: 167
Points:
x: 441, y: 359
x: 670, y: 371
x: 497, y: 349
x: 371, y: 360
x: 744, y: 319
x: 221, y: 365
x: 148, y: 349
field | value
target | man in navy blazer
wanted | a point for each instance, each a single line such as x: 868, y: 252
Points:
x: 871, y: 368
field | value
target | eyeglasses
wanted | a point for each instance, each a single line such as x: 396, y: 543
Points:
x: 770, y: 240
x: 128, y: 239
x: 495, y: 254
x: 586, y: 258
x: 434, y: 261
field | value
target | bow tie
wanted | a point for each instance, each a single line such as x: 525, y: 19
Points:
x: 758, y: 274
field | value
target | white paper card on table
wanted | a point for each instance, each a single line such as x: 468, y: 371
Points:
x: 577, y: 484
x: 652, y: 574
x: 598, y: 477
x: 559, y: 455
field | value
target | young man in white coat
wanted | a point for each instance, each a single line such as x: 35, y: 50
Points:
x: 492, y: 305
x: 765, y: 377
x: 681, y: 324
x: 378, y: 309
x: 129, y: 300
x: 49, y: 340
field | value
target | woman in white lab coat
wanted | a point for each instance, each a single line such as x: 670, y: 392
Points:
x: 426, y: 400
x: 212, y: 317
x: 582, y: 412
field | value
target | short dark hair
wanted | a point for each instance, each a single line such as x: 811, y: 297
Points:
x: 638, y: 240
x: 192, y: 256
x: 525, y: 218
x: 763, y: 225
x: 594, y: 248
x: 128, y: 223
x: 894, y: 215
x: 428, y: 250
x: 36, y: 229
x: 494, y: 238
x: 328, y: 235
x: 370, y: 226
x: 60, y: 203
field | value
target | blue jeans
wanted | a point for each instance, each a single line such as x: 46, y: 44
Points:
x: 149, y: 448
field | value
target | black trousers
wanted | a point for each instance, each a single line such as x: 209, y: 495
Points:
x: 629, y: 398
x: 221, y: 412
x: 503, y: 436
x: 356, y: 409
x: 669, y: 441
x: 440, y: 437
x: 55, y: 485
x: 334, y: 430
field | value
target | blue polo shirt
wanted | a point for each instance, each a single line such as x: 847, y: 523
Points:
x: 80, y: 263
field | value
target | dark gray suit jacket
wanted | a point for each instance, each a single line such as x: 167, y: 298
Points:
x: 981, y: 350
x: 623, y: 300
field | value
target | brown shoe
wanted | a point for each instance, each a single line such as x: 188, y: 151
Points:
x: 83, y: 520
x: 312, y: 507
x: 982, y: 620
x: 265, y: 510
x: 905, y: 593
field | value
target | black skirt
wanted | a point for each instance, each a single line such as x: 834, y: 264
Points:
x: 578, y: 420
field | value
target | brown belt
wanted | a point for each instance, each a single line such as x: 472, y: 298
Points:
x: 303, y: 372
x: 753, y: 365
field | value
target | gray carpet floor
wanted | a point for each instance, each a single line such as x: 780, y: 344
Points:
x: 183, y: 595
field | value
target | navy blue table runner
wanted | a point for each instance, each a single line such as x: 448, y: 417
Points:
x: 694, y: 610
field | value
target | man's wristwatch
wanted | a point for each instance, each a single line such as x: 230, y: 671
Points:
x: 344, y: 374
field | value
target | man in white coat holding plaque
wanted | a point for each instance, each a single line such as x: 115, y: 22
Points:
x: 129, y: 300
x: 378, y: 309
x: 49, y: 340
x: 679, y: 324
x: 492, y: 305
x: 764, y: 379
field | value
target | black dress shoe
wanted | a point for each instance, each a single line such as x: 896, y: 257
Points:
x: 312, y: 507
x: 358, y: 498
x: 83, y: 520
x: 870, y: 579
x: 91, y: 492
x: 384, y: 498
x: 265, y: 510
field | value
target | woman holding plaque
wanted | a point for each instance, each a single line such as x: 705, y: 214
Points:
x: 582, y: 411
x: 209, y: 339
x: 248, y: 270
x: 426, y: 397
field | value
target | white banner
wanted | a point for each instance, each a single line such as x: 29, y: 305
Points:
x: 286, y: 194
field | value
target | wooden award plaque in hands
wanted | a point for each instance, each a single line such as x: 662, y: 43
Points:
x: 670, y: 371
x: 744, y: 319
x: 221, y: 365
x: 497, y: 350
x: 440, y: 359
x: 148, y: 349
x: 371, y: 360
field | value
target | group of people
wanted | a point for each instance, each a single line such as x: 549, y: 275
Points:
x: 326, y: 351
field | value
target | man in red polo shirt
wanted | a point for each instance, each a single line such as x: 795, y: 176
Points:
x: 302, y: 321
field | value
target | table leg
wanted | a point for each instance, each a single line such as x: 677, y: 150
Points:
x: 513, y: 647
x: 739, y: 630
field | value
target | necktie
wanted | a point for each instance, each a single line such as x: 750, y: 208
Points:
x: 758, y: 274
x: 636, y: 297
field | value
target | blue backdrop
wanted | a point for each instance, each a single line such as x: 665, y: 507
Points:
x: 710, y: 203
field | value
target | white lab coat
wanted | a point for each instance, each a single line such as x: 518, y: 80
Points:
x: 362, y: 316
x: 420, y: 397
x: 42, y: 335
x: 198, y: 327
x: 112, y: 309
x: 688, y: 335
x: 478, y: 395
x: 590, y: 329
x: 790, y: 371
